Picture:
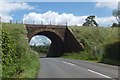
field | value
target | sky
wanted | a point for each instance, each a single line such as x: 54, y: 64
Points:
x: 74, y: 13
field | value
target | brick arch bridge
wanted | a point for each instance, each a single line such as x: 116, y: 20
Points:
x: 61, y: 36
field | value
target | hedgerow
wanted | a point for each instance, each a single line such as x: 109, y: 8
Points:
x: 17, y: 57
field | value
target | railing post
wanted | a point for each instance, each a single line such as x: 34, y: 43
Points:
x: 118, y: 12
x: 33, y: 22
x: 66, y: 24
x: 22, y: 22
x: 16, y: 22
x: 10, y: 21
x: 41, y: 22
x: 50, y: 22
x: 0, y: 20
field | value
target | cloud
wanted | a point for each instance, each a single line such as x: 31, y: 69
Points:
x: 57, y: 18
x: 6, y: 8
x: 39, y: 40
x: 61, y: 0
x: 105, y: 0
x: 119, y: 5
x: 110, y: 5
x: 107, y: 21
x: 54, y: 17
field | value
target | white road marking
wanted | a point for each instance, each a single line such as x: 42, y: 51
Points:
x: 100, y: 74
x: 90, y: 70
x: 69, y: 63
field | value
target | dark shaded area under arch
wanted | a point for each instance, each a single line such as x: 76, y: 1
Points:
x: 56, y: 47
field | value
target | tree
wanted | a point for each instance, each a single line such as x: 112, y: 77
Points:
x: 116, y: 13
x: 115, y: 25
x: 90, y: 21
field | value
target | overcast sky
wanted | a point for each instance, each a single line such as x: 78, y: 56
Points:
x: 74, y: 13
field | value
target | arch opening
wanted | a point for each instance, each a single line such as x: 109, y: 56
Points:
x: 55, y: 43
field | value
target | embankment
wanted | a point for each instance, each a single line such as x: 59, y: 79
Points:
x: 101, y: 44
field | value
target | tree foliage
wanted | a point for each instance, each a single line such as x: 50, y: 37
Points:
x: 90, y: 21
x: 8, y: 53
x: 41, y: 49
x: 115, y: 25
x: 116, y: 13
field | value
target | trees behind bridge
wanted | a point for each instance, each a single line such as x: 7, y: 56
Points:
x: 41, y: 49
x: 90, y: 21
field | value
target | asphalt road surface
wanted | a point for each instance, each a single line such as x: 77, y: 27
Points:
x: 69, y: 68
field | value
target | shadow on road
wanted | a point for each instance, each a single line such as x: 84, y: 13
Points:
x: 47, y: 57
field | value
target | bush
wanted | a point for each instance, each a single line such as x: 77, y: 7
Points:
x: 17, y: 57
x: 8, y: 54
x: 112, y: 55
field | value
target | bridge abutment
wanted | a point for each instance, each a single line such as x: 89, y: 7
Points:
x: 70, y: 42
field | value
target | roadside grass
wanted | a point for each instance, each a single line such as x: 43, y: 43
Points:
x: 81, y: 56
x: 100, y: 44
x: 32, y: 66
x: 18, y: 60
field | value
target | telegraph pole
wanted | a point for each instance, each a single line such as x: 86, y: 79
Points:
x: 66, y: 24
x: 119, y: 11
x: 119, y: 5
x: 0, y: 20
x: 0, y: 23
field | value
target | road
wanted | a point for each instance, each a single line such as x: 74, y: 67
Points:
x: 70, y: 68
